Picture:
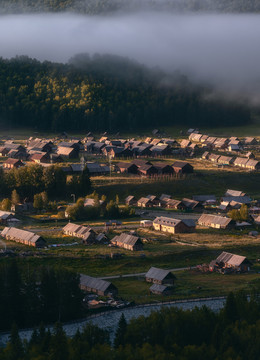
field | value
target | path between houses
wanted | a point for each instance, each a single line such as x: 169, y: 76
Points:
x: 142, y: 274
x: 151, y: 214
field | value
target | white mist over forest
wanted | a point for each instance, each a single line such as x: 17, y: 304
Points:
x: 217, y: 48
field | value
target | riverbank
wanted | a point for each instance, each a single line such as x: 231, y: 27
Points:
x: 108, y: 320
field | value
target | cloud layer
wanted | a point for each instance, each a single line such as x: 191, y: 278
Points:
x: 222, y: 49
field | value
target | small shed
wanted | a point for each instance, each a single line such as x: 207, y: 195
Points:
x: 161, y: 289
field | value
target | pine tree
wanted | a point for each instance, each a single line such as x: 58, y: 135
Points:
x: 59, y: 344
x: 15, y: 349
x: 120, y: 332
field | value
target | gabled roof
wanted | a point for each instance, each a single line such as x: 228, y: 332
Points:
x: 253, y: 163
x: 165, y: 197
x: 5, y: 215
x: 190, y: 203
x: 144, y: 200
x: 158, y: 274
x: 97, y: 168
x: 63, y: 150
x: 75, y: 228
x: 141, y: 162
x: 126, y: 239
x: 180, y: 164
x: 173, y: 202
x: 20, y: 234
x: 230, y: 259
x: 125, y: 165
x: 129, y: 198
x: 230, y: 192
x: 225, y: 159
x: 38, y: 156
x: 163, y: 220
x: 239, y: 199
x: 10, y: 161
x: 240, y: 161
x: 94, y: 283
x: 208, y: 220
x: 203, y: 198
x: 158, y: 288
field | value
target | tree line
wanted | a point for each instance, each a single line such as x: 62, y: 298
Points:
x: 103, y: 93
x: 105, y: 6
x: 169, y: 334
x: 33, y: 296
x: 29, y: 180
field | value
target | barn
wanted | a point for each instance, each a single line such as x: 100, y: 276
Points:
x: 97, y: 286
x: 160, y: 276
x: 128, y: 242
x: 23, y: 237
x: 173, y: 226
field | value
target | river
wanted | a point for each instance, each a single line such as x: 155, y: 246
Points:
x: 109, y: 320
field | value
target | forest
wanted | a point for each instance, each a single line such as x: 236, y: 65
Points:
x: 169, y: 334
x: 29, y: 297
x: 106, y: 92
x: 108, y: 6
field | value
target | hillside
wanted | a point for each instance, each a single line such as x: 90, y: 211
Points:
x: 105, y: 93
x: 108, y: 6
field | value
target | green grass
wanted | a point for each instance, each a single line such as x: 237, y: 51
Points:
x: 189, y: 284
x: 201, y: 182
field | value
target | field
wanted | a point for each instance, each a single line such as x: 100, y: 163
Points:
x: 161, y: 250
x: 189, y: 284
x: 201, y: 182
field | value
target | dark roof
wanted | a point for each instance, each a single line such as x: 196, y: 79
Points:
x: 162, y: 220
x: 158, y: 274
x: 239, y: 199
x: 190, y: 203
x: 204, y: 197
x: 126, y: 239
x: 125, y: 165
x: 180, y: 164
x: 94, y: 283
x: 189, y: 222
x: 158, y: 288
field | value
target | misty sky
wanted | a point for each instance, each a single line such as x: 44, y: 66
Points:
x: 220, y: 48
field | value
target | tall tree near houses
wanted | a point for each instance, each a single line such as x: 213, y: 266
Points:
x: 15, y: 198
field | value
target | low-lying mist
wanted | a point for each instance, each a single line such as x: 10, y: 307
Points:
x: 222, y: 50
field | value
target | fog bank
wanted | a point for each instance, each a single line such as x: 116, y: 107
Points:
x: 221, y: 49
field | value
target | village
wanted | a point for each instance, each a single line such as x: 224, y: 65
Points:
x: 166, y: 239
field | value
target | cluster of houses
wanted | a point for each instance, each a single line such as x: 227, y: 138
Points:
x: 121, y: 148
x: 232, y: 199
x: 248, y: 162
x: 44, y: 151
x: 163, y: 280
x: 164, y: 201
x: 162, y: 283
x: 147, y: 168
x: 221, y: 143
